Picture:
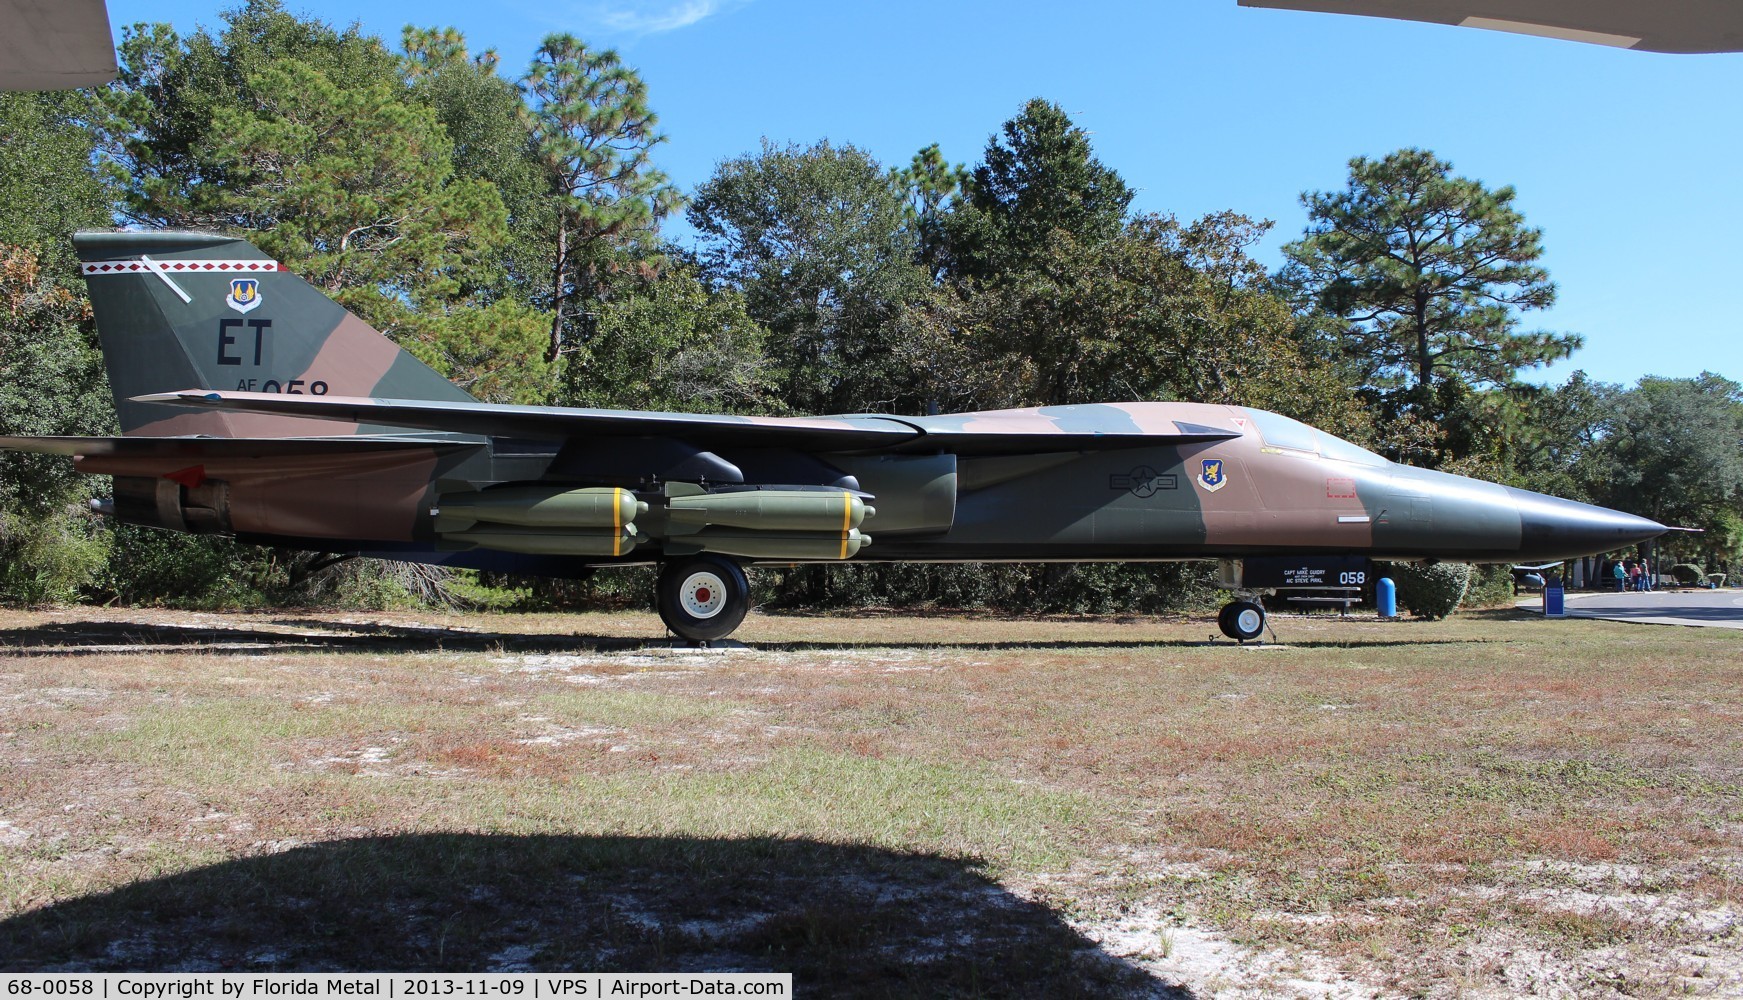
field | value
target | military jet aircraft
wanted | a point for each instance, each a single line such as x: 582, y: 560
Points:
x: 252, y: 405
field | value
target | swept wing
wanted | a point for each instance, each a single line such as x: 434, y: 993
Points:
x: 1060, y: 428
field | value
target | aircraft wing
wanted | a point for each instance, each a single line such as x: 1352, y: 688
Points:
x: 1088, y: 426
x: 559, y: 422
x: 1048, y: 428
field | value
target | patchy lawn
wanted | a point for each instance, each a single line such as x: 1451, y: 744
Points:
x: 885, y: 805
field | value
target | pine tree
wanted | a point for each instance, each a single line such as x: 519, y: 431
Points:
x: 594, y: 135
x: 1040, y: 178
x: 1428, y: 272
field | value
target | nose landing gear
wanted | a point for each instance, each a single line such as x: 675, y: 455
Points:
x: 1242, y: 621
x: 702, y: 598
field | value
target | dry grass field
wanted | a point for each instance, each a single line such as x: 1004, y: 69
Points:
x: 1495, y: 805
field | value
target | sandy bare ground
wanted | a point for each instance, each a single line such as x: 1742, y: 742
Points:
x: 885, y: 805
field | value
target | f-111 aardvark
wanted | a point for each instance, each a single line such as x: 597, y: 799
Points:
x: 252, y: 405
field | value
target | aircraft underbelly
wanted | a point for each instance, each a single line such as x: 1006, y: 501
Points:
x: 1435, y: 513
x: 1212, y: 500
x: 376, y: 507
x: 1094, y: 502
x: 1161, y: 503
x: 313, y: 496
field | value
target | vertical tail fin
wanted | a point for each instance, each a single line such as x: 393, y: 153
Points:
x: 200, y: 311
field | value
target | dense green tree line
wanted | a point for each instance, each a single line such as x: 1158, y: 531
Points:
x: 508, y: 233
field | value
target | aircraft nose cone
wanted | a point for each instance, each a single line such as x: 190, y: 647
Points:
x: 1553, y: 528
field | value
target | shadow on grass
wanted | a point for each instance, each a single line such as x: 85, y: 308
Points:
x: 1211, y: 641
x: 1507, y: 614
x: 313, y: 635
x: 307, y: 635
x: 845, y: 920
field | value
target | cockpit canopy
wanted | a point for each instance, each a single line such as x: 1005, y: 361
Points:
x: 1293, y: 435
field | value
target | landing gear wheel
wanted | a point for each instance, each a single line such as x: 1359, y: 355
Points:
x: 1243, y: 621
x: 702, y: 598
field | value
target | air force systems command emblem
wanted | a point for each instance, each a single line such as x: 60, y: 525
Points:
x: 244, y: 294
x: 1211, y: 475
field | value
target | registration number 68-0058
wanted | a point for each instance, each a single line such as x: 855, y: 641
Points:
x: 293, y: 387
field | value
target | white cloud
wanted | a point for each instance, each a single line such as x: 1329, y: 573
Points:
x: 648, y: 17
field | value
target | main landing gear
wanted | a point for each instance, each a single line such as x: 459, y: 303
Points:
x: 703, y: 598
x: 1242, y: 621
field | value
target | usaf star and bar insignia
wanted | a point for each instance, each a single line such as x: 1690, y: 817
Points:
x: 1142, y: 482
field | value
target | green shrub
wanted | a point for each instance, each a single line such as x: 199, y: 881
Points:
x: 1688, y: 574
x: 607, y: 589
x: 375, y: 588
x: 1430, y: 591
x: 153, y: 567
x: 472, y: 590
x: 147, y: 566
x: 47, y: 560
x: 1491, y: 587
x: 1046, y: 588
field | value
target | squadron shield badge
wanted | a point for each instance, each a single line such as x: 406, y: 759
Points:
x: 1211, y: 475
x: 244, y: 294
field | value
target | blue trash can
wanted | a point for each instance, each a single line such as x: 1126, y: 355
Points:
x: 1554, y: 601
x: 1386, y: 597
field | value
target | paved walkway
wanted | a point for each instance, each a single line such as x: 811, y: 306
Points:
x: 1714, y: 608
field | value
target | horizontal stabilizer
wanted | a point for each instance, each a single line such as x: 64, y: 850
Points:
x: 214, y: 447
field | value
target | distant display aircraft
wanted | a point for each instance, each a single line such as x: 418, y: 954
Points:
x: 62, y: 44
x: 51, y: 44
x: 252, y: 405
x: 1659, y: 26
x: 55, y: 44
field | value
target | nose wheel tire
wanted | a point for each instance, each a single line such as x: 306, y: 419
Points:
x: 702, y: 598
x: 1243, y: 621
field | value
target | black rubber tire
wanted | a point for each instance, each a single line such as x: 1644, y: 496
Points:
x: 681, y: 579
x: 1229, y: 620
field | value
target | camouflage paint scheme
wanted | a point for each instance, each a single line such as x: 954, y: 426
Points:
x: 265, y: 410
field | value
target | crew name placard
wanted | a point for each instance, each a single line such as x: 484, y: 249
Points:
x: 500, y: 986
x: 1318, y: 571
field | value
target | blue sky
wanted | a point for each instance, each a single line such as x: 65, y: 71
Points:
x: 1629, y: 161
